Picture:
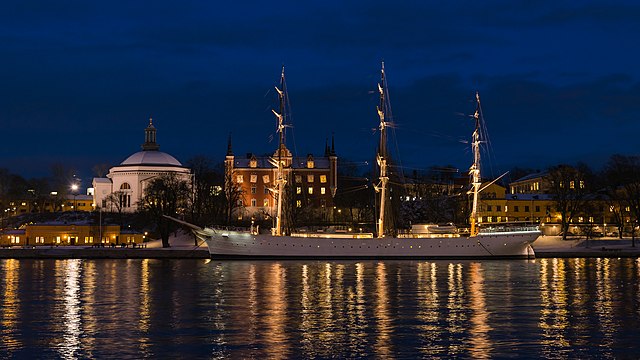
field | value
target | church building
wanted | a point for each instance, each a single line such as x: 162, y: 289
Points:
x: 124, y: 186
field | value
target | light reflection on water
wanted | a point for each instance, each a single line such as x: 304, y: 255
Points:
x: 292, y: 309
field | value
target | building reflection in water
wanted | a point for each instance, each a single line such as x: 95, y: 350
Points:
x: 553, y: 298
x: 480, y: 345
x: 428, y: 312
x: 144, y: 308
x: 456, y: 316
x: 69, y: 345
x: 10, y: 306
x: 603, y: 306
x: 275, y: 318
x: 383, y: 320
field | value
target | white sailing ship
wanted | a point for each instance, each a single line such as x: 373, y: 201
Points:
x: 508, y: 243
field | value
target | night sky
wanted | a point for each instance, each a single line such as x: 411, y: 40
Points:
x: 559, y: 80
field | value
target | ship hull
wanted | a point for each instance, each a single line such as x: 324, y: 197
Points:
x: 232, y: 244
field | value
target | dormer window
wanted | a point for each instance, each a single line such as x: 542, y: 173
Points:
x: 310, y: 162
x: 253, y: 162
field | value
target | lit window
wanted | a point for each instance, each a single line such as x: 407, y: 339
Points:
x: 310, y: 190
x: 310, y: 164
x: 298, y: 190
x: 581, y: 184
x: 489, y: 218
x: 265, y: 179
x: 310, y: 178
x: 506, y: 208
x: 298, y: 203
x: 572, y: 185
x: 322, y: 191
x: 323, y: 178
x: 580, y: 219
x: 254, y: 178
x: 253, y: 163
x: 239, y: 179
x: 590, y: 219
x: 265, y: 203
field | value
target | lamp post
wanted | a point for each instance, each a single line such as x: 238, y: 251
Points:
x: 74, y: 189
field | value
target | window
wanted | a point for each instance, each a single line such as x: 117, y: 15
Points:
x: 88, y: 239
x: 322, y: 190
x: 506, y: 208
x: 253, y: 163
x: 498, y: 208
x: 299, y: 190
x: 310, y: 164
x: 526, y: 209
x: 239, y: 202
x: 516, y: 208
x: 253, y: 189
x: 537, y: 208
x: 254, y: 178
x: 489, y: 218
x: 581, y: 184
x: 298, y: 203
x: 39, y: 239
x: 239, y: 179
x: 572, y: 184
x: 57, y: 239
x: 323, y: 178
x: 265, y: 203
x: 310, y: 190
x: 265, y: 179
x: 298, y: 179
x: 499, y: 219
x: 125, y: 186
x: 488, y: 207
x: 266, y: 190
x: 310, y: 178
x: 253, y: 202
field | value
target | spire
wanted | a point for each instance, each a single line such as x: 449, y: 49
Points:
x: 333, y: 146
x: 229, y: 150
x: 326, y: 147
x: 150, y: 137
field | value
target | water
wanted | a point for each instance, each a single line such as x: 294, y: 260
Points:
x: 547, y: 308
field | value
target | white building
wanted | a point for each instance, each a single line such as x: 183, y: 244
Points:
x: 125, y: 184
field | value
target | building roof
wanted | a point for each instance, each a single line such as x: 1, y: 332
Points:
x: 151, y: 157
x: 531, y: 177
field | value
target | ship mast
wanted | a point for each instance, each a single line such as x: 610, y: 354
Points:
x: 280, y: 178
x: 474, y: 171
x: 382, y: 152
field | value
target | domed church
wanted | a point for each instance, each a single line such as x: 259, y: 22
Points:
x: 124, y: 186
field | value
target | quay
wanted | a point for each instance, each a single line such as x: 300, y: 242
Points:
x: 183, y: 247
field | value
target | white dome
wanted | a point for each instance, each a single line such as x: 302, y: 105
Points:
x: 151, y: 158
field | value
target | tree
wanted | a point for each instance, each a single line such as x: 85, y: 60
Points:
x: 623, y: 175
x: 206, y: 204
x: 167, y: 194
x: 233, y: 195
x: 568, y: 184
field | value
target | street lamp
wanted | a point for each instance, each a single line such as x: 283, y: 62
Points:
x: 74, y: 189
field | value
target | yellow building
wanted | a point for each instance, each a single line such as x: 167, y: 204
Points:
x: 71, y: 234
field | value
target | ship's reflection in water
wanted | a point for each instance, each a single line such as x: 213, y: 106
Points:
x: 319, y: 309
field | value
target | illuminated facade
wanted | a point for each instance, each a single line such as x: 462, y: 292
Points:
x: 69, y: 234
x: 311, y: 180
x: 124, y: 186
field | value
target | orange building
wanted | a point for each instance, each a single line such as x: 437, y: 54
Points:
x: 311, y: 180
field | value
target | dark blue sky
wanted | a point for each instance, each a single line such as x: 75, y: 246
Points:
x: 78, y: 79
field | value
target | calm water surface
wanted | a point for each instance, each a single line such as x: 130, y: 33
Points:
x: 547, y: 308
